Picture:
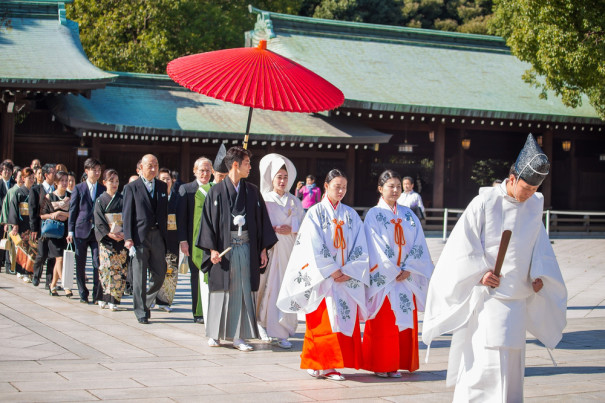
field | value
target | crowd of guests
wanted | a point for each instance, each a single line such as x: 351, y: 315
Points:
x: 258, y: 256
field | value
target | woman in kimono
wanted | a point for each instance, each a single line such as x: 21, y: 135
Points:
x: 113, y: 256
x: 326, y: 279
x: 166, y: 294
x: 286, y: 214
x: 18, y: 216
x: 55, y: 206
x: 400, y: 269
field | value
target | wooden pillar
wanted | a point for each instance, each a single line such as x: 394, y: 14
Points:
x: 95, y: 149
x: 186, y: 168
x: 439, y: 160
x: 573, y: 174
x: 460, y: 184
x: 350, y: 172
x: 8, y: 135
x: 547, y: 139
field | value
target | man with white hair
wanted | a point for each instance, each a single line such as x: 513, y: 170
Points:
x: 189, y: 214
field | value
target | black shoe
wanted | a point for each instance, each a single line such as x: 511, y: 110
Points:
x: 59, y: 288
x: 84, y: 300
x: 143, y: 321
x: 199, y: 320
x: 35, y: 282
x: 148, y: 314
x: 54, y: 293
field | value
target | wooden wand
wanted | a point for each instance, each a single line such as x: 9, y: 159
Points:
x: 502, y: 251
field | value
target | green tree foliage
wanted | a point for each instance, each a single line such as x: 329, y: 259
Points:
x: 144, y: 35
x: 563, y: 40
x: 470, y: 16
x: 485, y: 172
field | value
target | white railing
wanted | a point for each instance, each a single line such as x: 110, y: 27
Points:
x: 444, y: 219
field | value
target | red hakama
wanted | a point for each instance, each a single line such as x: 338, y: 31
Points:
x: 325, y: 349
x: 385, y: 348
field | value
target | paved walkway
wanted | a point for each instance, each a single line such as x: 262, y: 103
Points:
x: 56, y: 349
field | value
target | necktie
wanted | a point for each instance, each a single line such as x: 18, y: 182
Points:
x: 92, y: 192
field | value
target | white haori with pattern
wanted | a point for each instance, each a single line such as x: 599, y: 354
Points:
x: 382, y: 227
x: 307, y: 280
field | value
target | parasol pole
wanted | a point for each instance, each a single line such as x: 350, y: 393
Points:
x: 248, y: 129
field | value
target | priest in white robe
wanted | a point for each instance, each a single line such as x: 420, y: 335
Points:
x: 286, y: 213
x: 489, y: 314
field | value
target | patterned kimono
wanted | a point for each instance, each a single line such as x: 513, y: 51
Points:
x: 113, y: 256
x: 395, y: 243
x: 329, y: 239
x: 18, y: 214
x: 166, y: 294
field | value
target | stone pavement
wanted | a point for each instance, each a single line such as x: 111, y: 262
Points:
x: 55, y: 349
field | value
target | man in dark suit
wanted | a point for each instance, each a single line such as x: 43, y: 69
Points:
x: 144, y: 215
x: 189, y: 215
x: 36, y: 193
x: 6, y: 182
x: 81, y: 225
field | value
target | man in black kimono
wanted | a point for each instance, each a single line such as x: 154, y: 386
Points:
x: 234, y: 217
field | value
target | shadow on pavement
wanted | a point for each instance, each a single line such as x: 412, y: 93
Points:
x: 541, y: 371
x: 580, y: 340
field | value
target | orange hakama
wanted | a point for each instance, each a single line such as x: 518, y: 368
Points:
x: 385, y: 348
x: 325, y: 349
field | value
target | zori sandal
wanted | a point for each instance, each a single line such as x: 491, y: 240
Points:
x: 333, y: 375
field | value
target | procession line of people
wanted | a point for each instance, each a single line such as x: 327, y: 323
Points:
x: 258, y: 258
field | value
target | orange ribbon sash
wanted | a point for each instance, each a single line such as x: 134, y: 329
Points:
x: 399, y: 237
x: 339, y: 238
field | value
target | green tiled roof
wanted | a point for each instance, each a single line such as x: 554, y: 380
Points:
x: 397, y: 69
x: 41, y: 49
x: 154, y: 105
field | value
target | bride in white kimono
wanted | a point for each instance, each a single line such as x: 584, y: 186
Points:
x: 326, y: 279
x: 286, y: 213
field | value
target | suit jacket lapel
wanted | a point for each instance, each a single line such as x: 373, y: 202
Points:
x: 142, y: 189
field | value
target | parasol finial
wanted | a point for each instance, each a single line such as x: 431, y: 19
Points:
x: 262, y: 44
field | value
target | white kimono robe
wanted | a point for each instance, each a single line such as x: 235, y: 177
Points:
x: 396, y: 236
x: 329, y: 239
x: 283, y: 210
x: 488, y: 344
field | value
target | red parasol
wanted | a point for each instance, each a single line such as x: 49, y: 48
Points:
x: 255, y: 77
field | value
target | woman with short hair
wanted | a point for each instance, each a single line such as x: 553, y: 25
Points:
x: 55, y: 206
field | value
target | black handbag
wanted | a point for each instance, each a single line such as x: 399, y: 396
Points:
x: 53, y: 229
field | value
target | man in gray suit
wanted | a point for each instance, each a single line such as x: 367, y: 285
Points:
x: 145, y: 228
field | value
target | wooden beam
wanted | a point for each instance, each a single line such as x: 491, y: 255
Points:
x: 439, y: 161
x: 350, y: 172
x: 8, y: 135
x: 547, y: 139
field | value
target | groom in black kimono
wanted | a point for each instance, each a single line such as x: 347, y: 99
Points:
x: 235, y: 217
